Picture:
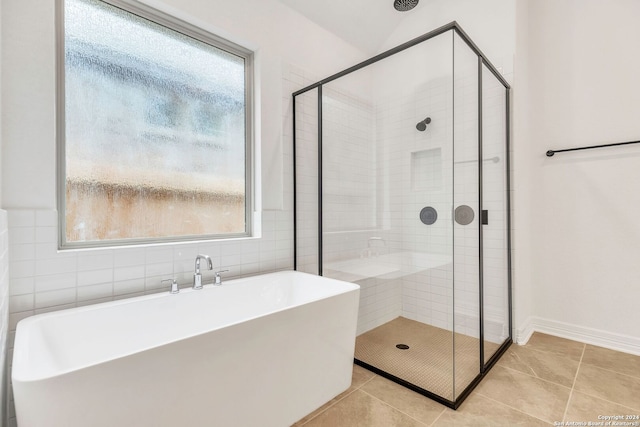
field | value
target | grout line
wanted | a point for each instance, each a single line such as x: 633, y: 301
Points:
x: 566, y: 408
x: 538, y: 378
x: 608, y: 401
x: 514, y: 409
x: 328, y: 407
x: 522, y: 361
x: 612, y: 371
x: 438, y: 417
x: 395, y: 408
x: 339, y: 400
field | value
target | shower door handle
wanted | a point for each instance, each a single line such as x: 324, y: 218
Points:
x: 485, y: 217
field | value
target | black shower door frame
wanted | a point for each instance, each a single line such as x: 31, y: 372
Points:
x: 485, y: 365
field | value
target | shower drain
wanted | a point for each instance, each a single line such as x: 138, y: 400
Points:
x: 402, y: 346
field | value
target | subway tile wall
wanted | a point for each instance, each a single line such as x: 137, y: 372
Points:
x: 45, y: 279
x: 349, y: 166
x: 495, y: 237
x: 421, y: 175
x: 466, y: 181
x: 412, y: 170
x: 353, y: 217
x: 306, y: 112
x: 350, y: 214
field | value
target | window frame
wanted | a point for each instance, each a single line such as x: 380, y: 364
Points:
x: 176, y: 24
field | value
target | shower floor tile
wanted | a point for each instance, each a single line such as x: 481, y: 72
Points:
x: 431, y: 359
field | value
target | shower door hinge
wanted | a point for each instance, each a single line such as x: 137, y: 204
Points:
x: 485, y: 217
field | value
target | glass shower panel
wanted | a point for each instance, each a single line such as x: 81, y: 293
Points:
x: 405, y: 183
x: 356, y: 243
x: 466, y: 217
x: 387, y: 209
x: 306, y: 181
x: 494, y: 199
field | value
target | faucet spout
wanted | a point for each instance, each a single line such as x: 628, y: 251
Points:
x: 197, y: 277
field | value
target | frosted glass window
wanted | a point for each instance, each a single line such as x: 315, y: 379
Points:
x: 156, y: 129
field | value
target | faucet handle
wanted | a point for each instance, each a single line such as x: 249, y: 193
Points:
x: 218, y: 279
x: 174, y: 285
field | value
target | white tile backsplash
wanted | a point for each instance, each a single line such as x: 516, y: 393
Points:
x: 128, y: 257
x: 93, y: 277
x: 22, y: 302
x: 44, y: 278
x: 88, y: 261
x: 131, y: 286
x: 54, y: 282
x: 22, y: 286
x: 54, y: 298
x: 121, y: 274
x: 21, y: 218
x: 94, y: 292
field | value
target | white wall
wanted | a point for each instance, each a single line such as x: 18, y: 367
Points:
x: 489, y: 23
x: 584, y: 90
x: 522, y: 186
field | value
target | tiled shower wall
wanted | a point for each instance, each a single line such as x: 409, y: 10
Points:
x: 350, y: 214
x: 438, y: 168
x: 495, y: 237
x: 420, y: 175
x: 306, y: 111
x: 352, y: 219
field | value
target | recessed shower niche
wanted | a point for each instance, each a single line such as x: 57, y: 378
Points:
x: 426, y: 169
x: 422, y: 126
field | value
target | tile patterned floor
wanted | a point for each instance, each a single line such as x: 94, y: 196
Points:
x: 549, y: 380
x: 428, y: 362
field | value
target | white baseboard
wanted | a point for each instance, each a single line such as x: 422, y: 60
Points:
x: 597, y: 337
x: 522, y: 334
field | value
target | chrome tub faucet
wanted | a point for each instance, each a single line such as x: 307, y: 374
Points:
x: 197, y: 277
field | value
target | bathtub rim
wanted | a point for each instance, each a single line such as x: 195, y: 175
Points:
x: 20, y: 371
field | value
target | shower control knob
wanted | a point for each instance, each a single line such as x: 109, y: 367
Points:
x: 464, y: 215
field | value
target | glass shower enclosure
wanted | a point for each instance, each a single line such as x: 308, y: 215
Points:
x: 401, y: 185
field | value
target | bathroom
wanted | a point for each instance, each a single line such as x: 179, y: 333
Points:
x: 573, y: 78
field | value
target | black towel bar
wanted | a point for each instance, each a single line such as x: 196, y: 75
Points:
x: 550, y: 153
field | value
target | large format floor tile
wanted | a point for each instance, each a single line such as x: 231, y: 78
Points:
x: 604, y: 358
x: 539, y: 398
x: 478, y: 410
x: 359, y: 377
x: 411, y: 403
x: 584, y: 408
x: 540, y: 364
x: 608, y: 385
x: 360, y: 409
x: 559, y: 346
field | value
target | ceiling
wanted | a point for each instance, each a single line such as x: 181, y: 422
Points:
x: 365, y: 24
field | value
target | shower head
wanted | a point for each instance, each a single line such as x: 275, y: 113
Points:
x: 404, y: 5
x: 422, y: 126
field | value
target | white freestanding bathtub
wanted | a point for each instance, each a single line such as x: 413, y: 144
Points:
x: 260, y: 351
